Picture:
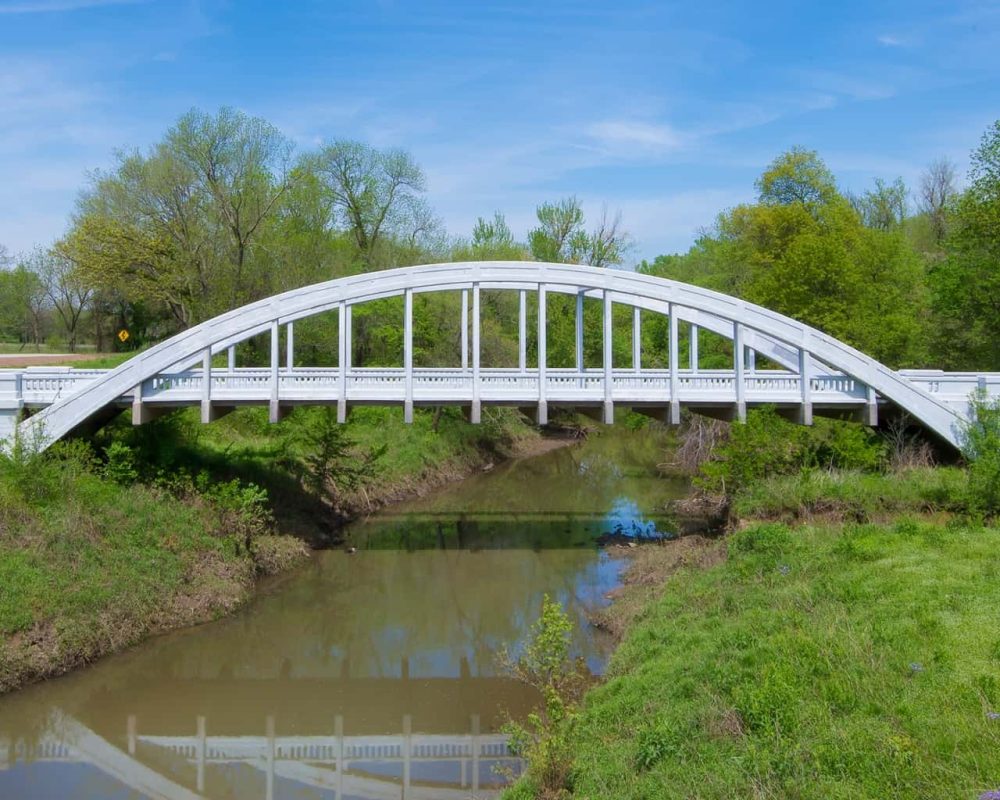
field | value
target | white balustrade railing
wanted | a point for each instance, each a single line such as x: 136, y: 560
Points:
x: 324, y: 749
x: 42, y: 386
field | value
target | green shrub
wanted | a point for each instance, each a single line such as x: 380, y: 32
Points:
x: 981, y: 447
x: 544, y: 740
x: 767, y: 445
x: 120, y: 465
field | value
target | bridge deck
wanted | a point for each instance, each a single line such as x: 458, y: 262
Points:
x: 710, y: 391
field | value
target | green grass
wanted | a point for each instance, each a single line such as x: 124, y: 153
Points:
x: 816, y: 663
x: 43, y: 348
x: 88, y: 566
x: 852, y: 495
x: 246, y: 446
x: 109, y: 361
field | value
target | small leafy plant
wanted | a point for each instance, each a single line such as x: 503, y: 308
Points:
x: 544, y: 740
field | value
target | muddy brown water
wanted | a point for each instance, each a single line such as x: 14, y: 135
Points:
x: 366, y: 675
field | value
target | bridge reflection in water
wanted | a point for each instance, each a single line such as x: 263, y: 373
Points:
x: 167, y: 750
x: 398, y: 645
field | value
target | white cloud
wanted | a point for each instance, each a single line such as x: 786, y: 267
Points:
x: 49, y: 6
x: 889, y: 40
x: 851, y: 86
x: 619, y: 134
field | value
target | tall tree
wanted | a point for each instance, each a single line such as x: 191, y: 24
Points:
x: 797, y: 176
x: 561, y: 236
x: 884, y: 207
x: 967, y: 283
x: 22, y: 304
x: 242, y: 164
x: 802, y: 250
x: 65, y: 289
x: 180, y: 225
x: 376, y: 195
x: 937, y: 191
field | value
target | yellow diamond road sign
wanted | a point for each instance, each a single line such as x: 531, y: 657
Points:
x: 123, y: 336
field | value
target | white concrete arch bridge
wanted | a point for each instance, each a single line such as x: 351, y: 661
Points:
x: 815, y: 374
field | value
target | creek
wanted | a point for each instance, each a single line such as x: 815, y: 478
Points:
x: 383, y: 661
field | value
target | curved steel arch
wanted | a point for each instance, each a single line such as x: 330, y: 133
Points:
x: 775, y: 335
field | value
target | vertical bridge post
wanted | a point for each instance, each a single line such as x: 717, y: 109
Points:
x: 475, y: 413
x: 465, y: 330
x: 522, y: 331
x: 609, y: 405
x: 342, y: 362
x: 290, y: 345
x: 740, y: 376
x: 543, y: 408
x: 805, y: 387
x: 674, y: 365
x: 206, y: 386
x: 636, y: 339
x: 408, y: 355
x: 693, y: 348
x: 579, y: 335
x: 274, y: 409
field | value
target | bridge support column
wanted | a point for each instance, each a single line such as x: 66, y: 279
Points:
x: 751, y: 360
x: 465, y: 329
x: 143, y: 412
x: 636, y: 338
x: 408, y: 356
x: 579, y: 332
x: 275, y: 412
x: 871, y: 408
x: 209, y: 412
x: 609, y: 405
x: 231, y: 357
x: 805, y: 387
x: 290, y: 345
x: 740, y: 375
x: 522, y: 331
x: 543, y: 406
x: 674, y: 365
x: 342, y: 362
x: 693, y: 347
x: 475, y: 413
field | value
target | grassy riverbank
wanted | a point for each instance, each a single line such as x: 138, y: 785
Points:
x: 89, y: 566
x: 171, y: 524
x: 826, y: 661
x: 842, y: 640
x: 405, y: 460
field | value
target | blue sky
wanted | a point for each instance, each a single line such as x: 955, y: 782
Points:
x: 664, y: 110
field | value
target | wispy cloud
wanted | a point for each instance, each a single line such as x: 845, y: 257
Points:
x: 852, y: 87
x: 889, y: 40
x: 49, y: 6
x: 632, y: 134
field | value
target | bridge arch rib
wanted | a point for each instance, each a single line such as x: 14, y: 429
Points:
x: 785, y: 341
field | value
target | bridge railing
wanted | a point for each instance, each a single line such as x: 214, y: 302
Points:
x: 250, y: 384
x: 954, y: 384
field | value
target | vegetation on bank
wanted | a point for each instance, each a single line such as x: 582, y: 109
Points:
x: 91, y: 560
x: 317, y: 473
x: 855, y: 655
x: 821, y: 662
x: 148, y: 528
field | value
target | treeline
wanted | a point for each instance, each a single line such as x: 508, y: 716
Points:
x: 912, y: 284
x: 223, y: 211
